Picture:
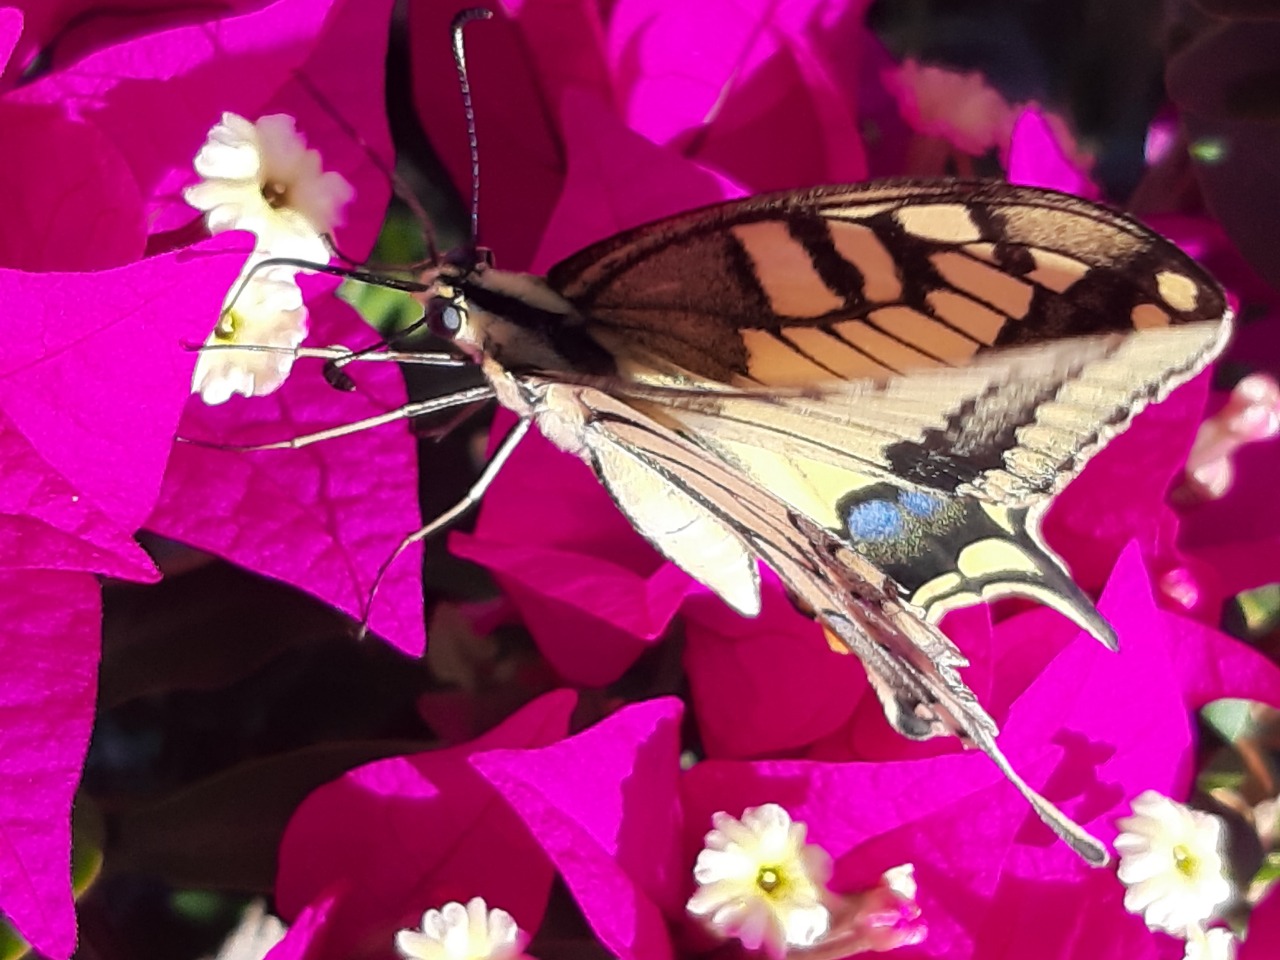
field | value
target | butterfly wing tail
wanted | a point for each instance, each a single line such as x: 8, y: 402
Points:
x: 914, y: 669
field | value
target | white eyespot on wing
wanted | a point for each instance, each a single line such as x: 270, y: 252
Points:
x: 1055, y: 271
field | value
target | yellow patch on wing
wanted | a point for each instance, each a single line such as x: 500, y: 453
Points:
x: 992, y: 554
x: 1178, y: 290
x: 925, y: 334
x: 776, y: 363
x: 943, y: 222
x: 964, y: 313
x: 1147, y: 315
x: 1055, y: 271
x: 893, y: 354
x: 785, y: 271
x: 992, y: 286
x: 861, y: 247
x: 834, y: 354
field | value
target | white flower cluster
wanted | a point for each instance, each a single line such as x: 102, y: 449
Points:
x: 262, y: 178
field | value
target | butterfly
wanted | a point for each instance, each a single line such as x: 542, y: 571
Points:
x: 875, y: 389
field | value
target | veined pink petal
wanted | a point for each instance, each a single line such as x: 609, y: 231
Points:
x: 721, y: 80
x: 96, y: 374
x: 46, y: 524
x: 67, y: 30
x: 604, y: 806
x: 413, y: 833
x: 768, y: 684
x: 78, y: 207
x: 324, y: 518
x: 50, y: 651
x: 616, y: 180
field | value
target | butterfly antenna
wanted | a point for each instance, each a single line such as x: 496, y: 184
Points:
x: 398, y: 186
x: 464, y: 84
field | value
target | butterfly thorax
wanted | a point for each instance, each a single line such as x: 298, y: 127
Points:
x: 513, y: 320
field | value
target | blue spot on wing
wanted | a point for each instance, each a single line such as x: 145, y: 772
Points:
x: 874, y: 520
x: 920, y: 504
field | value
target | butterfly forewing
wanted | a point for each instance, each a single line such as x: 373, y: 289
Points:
x: 871, y: 295
x: 876, y: 279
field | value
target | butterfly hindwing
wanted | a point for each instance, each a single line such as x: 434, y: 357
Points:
x: 721, y: 524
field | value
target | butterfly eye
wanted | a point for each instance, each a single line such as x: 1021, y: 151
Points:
x: 444, y: 318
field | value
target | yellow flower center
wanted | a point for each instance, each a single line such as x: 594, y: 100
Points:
x: 1184, y: 860
x: 276, y: 194
x: 227, y: 326
x: 769, y: 879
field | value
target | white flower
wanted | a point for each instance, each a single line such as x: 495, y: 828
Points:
x: 257, y: 932
x: 261, y: 177
x: 958, y: 107
x: 760, y: 882
x: 1215, y: 944
x: 267, y: 312
x: 1171, y: 861
x: 455, y: 932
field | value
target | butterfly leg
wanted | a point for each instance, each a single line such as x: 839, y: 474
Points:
x: 409, y: 411
x: 453, y: 514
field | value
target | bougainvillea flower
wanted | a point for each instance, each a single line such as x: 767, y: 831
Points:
x: 761, y: 883
x: 1093, y: 729
x: 1172, y: 860
x: 960, y: 108
x: 259, y: 176
x: 254, y: 936
x: 50, y: 647
x: 263, y: 309
x: 394, y: 838
x: 66, y: 515
x: 191, y: 75
x: 603, y: 805
x: 84, y: 337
